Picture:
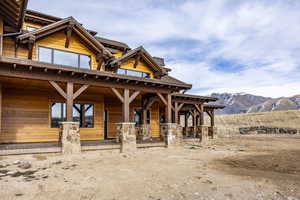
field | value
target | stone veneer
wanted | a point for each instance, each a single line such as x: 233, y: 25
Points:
x: 127, y: 136
x: 70, y: 137
x: 172, y: 134
x: 143, y: 132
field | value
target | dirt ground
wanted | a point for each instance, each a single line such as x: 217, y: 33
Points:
x: 246, y: 167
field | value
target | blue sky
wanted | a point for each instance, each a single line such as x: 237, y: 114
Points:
x: 231, y: 46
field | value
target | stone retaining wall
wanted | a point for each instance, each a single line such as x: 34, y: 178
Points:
x: 267, y: 130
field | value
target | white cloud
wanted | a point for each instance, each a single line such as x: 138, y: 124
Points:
x: 262, y: 36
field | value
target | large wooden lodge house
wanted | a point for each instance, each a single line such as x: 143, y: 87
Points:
x: 53, y: 70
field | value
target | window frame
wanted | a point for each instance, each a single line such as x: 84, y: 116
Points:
x: 81, y: 103
x: 55, y: 49
x: 143, y: 74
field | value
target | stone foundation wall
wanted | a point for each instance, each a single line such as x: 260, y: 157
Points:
x: 127, y: 136
x: 143, y: 132
x: 70, y: 137
x: 267, y: 130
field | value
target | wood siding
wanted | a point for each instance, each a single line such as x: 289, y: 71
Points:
x: 26, y: 117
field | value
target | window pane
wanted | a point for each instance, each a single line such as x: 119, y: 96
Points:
x: 134, y: 73
x: 58, y: 114
x: 89, y: 116
x: 121, y: 71
x: 45, y: 54
x: 146, y: 75
x: 65, y: 58
x: 137, y: 116
x: 85, y: 62
x: 76, y: 112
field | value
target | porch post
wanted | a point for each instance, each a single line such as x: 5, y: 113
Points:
x: 195, y: 123
x: 126, y: 129
x: 70, y: 101
x: 176, y: 112
x: 169, y: 108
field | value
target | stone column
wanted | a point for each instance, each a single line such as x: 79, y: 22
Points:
x: 70, y: 137
x: 204, y: 138
x: 172, y: 134
x: 144, y: 132
x: 127, y: 134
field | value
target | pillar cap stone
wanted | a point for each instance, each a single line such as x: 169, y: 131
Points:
x: 69, y: 123
x: 126, y: 123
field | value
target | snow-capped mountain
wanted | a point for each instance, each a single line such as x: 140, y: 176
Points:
x: 237, y: 103
x: 247, y: 103
x: 283, y: 103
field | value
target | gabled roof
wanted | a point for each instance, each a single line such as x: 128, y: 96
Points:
x: 45, y: 19
x: 63, y: 24
x: 13, y: 11
x: 144, y: 54
x: 112, y: 43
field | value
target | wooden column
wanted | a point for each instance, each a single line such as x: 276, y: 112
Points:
x: 186, y: 115
x: 176, y: 112
x: 126, y: 106
x: 144, y: 116
x: 69, y: 96
x: 212, y: 118
x: 70, y: 102
x: 195, y: 122
x: 169, y: 108
x: 126, y: 99
x: 1, y: 37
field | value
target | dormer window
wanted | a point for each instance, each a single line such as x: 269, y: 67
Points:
x: 133, y: 73
x: 66, y: 58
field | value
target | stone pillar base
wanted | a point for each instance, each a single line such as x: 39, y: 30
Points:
x: 144, y: 132
x: 70, y: 137
x: 172, y: 134
x: 204, y: 138
x: 127, y: 137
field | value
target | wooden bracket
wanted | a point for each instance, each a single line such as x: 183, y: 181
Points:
x: 31, y: 42
x: 164, y: 100
x: 59, y: 89
x: 137, y: 60
x: 69, y: 33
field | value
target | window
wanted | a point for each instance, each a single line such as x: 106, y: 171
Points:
x: 30, y: 28
x: 133, y: 73
x: 138, y: 113
x: 58, y: 114
x: 59, y: 57
x: 82, y: 113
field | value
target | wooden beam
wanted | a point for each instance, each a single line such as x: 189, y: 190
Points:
x: 70, y: 101
x: 79, y: 91
x: 137, y: 60
x: 58, y: 89
x: 164, y: 100
x: 133, y: 96
x: 118, y: 94
x: 150, y: 103
x: 169, y: 108
x: 30, y: 46
x: 69, y: 34
x: 126, y: 106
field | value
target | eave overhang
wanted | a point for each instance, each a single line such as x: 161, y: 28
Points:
x: 13, y: 12
x: 192, y: 99
x: 43, y: 71
x: 135, y: 52
x: 69, y: 22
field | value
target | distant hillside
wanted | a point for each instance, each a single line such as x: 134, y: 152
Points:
x: 283, y: 103
x: 237, y: 103
x: 247, y: 103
